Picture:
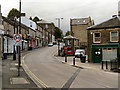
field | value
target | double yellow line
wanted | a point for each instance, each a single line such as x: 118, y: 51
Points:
x: 36, y: 78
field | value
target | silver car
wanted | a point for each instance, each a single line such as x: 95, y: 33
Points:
x: 79, y: 53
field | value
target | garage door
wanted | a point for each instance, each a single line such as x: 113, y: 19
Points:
x: 109, y: 53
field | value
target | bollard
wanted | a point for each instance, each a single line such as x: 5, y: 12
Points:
x: 14, y: 53
x: 102, y: 65
x: 65, y: 58
x: 74, y: 61
x: 106, y: 65
x: 111, y: 65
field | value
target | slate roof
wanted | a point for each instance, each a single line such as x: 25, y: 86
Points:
x: 114, y: 22
x: 79, y: 21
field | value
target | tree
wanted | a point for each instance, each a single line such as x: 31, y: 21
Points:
x: 35, y: 19
x: 67, y: 33
x: 13, y: 13
x: 58, y: 33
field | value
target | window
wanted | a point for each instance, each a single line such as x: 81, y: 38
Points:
x: 97, y: 37
x: 46, y: 26
x: 114, y: 36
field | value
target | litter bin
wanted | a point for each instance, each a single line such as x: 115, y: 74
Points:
x: 83, y: 59
x: 5, y: 55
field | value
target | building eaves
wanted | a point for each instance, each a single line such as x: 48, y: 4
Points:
x: 111, y: 23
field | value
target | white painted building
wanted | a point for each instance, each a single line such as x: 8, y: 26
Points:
x: 29, y: 23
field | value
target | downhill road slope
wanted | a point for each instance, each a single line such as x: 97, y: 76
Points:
x: 53, y: 73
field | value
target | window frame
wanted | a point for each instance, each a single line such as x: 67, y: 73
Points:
x: 94, y: 37
x: 111, y: 36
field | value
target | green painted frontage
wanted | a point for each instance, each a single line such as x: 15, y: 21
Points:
x: 97, y: 51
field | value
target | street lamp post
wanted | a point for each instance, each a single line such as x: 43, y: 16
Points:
x: 58, y: 40
x: 14, y: 52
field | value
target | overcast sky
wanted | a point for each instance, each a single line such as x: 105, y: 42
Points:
x: 99, y: 10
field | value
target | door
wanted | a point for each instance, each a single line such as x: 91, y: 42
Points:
x: 5, y: 45
x: 10, y: 45
x: 97, y: 55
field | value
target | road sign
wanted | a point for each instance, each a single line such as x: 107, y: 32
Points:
x: 17, y: 39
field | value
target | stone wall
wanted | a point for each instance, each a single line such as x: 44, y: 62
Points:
x: 105, y: 39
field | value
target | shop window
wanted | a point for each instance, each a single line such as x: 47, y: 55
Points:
x: 114, y: 36
x: 104, y: 49
x: 97, y: 37
x: 109, y: 49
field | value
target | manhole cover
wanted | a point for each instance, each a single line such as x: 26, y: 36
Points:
x: 19, y: 81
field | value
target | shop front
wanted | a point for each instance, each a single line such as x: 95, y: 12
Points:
x: 32, y: 43
x: 105, y: 52
x: 8, y: 45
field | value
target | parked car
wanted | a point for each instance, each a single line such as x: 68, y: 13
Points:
x: 50, y: 44
x: 54, y: 43
x: 79, y: 53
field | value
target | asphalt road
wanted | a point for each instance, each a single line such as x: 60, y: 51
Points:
x: 53, y: 73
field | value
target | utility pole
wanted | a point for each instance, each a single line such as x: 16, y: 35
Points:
x: 19, y: 58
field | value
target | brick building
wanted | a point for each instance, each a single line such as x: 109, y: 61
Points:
x: 78, y: 29
x: 104, y: 40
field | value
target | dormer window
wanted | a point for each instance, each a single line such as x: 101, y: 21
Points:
x: 114, y: 36
x: 97, y: 37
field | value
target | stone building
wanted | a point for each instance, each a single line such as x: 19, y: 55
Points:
x: 78, y: 29
x: 48, y: 31
x: 39, y: 35
x: 104, y: 40
x: 1, y: 33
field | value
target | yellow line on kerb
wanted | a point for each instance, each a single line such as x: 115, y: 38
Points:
x: 36, y: 78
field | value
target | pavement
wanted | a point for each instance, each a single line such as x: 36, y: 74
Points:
x: 86, y: 65
x: 10, y: 78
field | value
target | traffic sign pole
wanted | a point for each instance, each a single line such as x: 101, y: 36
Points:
x: 14, y: 51
x: 19, y: 59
